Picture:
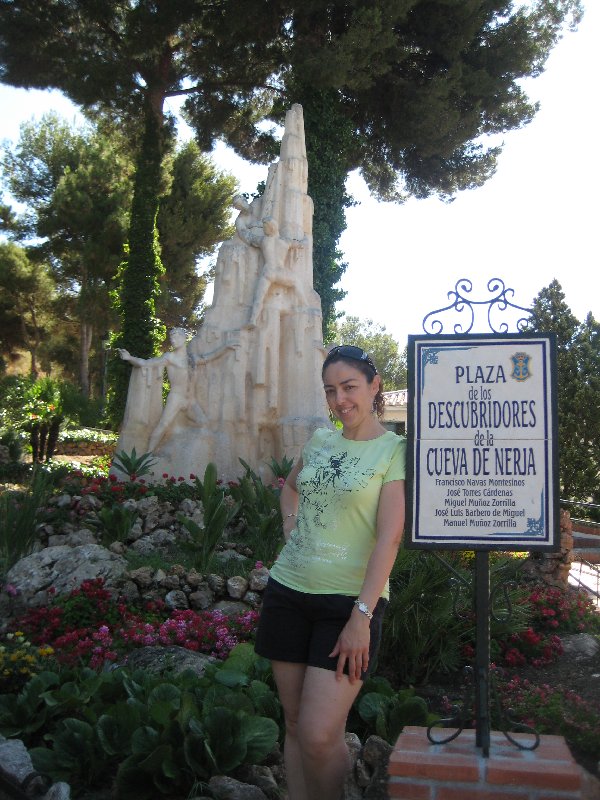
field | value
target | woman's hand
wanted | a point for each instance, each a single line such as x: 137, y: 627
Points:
x: 352, y: 646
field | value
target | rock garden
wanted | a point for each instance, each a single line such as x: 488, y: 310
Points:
x: 128, y: 613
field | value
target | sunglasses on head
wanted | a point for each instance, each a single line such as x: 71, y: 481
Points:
x: 349, y: 351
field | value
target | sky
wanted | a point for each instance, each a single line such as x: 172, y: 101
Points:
x: 535, y: 221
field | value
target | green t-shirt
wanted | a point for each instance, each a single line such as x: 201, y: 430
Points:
x: 336, y: 529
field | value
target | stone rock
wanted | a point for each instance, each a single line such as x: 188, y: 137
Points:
x: 376, y: 753
x: 176, y: 599
x: 173, y: 659
x: 258, y: 579
x: 82, y: 536
x: 118, y: 548
x: 63, y: 501
x: 259, y: 776
x: 202, y: 598
x: 229, y: 607
x: 193, y: 579
x: 226, y: 788
x: 580, y: 645
x: 63, y: 568
x: 143, y: 577
x: 253, y: 599
x: 217, y: 583
x: 89, y: 503
x: 352, y: 790
x: 159, y: 540
x: 17, y: 767
x: 169, y: 582
x: 237, y: 587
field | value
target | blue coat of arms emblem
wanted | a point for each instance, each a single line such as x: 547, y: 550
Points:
x: 520, y: 366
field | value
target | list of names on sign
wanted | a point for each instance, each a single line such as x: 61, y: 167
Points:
x: 482, y: 427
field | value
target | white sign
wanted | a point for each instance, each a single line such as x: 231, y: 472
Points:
x: 482, y: 442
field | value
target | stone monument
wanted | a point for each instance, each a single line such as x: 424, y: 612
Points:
x: 248, y: 385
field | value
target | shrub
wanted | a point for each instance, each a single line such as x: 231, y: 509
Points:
x: 159, y: 734
x: 20, y: 660
x: 19, y: 515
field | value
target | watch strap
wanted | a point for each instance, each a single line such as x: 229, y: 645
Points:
x: 363, y: 608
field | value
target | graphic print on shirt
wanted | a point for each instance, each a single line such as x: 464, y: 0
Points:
x: 327, y: 478
x: 340, y: 472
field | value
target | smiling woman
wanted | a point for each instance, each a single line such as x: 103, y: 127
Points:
x: 322, y: 613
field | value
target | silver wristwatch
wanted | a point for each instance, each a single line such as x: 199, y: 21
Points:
x: 363, y: 608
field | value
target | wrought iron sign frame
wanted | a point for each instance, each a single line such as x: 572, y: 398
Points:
x: 500, y: 301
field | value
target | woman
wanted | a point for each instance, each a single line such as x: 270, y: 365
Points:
x: 343, y: 517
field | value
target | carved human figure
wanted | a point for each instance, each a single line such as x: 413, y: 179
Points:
x: 275, y: 249
x: 179, y: 368
x: 247, y: 226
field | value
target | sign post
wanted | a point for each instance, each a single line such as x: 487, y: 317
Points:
x: 482, y: 469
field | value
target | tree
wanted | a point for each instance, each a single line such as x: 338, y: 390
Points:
x: 578, y: 362
x: 130, y: 57
x: 84, y: 184
x: 77, y: 190
x: 380, y: 345
x: 406, y: 92
x: 419, y: 82
x: 27, y: 290
x: 193, y: 216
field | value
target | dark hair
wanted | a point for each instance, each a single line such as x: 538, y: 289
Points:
x: 360, y: 360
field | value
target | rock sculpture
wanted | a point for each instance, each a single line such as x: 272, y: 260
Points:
x: 258, y: 393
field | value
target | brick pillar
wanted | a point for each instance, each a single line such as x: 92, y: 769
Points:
x: 419, y: 770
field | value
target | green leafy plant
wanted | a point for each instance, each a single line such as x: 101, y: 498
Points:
x: 20, y: 660
x: 133, y: 465
x: 281, y: 469
x: 159, y: 734
x: 113, y: 522
x: 259, y: 507
x: 218, y: 510
x: 385, y: 712
x: 19, y: 515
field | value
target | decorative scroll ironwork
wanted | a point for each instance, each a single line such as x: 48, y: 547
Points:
x: 499, y: 303
x: 463, y: 714
x: 480, y: 684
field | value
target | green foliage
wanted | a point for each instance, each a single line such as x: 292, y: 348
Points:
x: 384, y: 712
x: 26, y: 293
x: 281, y: 469
x: 382, y: 347
x: 193, y: 216
x: 259, y: 508
x: 429, y: 623
x: 329, y: 136
x: 218, y: 513
x: 557, y: 711
x: 114, y: 523
x: 11, y: 439
x: 578, y: 389
x: 19, y: 515
x: 19, y: 661
x: 133, y: 465
x: 158, y: 733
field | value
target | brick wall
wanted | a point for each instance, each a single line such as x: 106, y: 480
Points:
x: 419, y: 770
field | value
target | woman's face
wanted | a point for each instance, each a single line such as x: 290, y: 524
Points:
x: 349, y: 395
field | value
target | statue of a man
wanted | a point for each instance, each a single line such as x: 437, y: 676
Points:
x: 179, y: 368
x: 275, y: 249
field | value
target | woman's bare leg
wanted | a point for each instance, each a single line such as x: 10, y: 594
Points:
x: 321, y: 727
x: 290, y: 681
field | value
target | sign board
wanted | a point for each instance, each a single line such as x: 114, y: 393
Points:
x: 482, y: 467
